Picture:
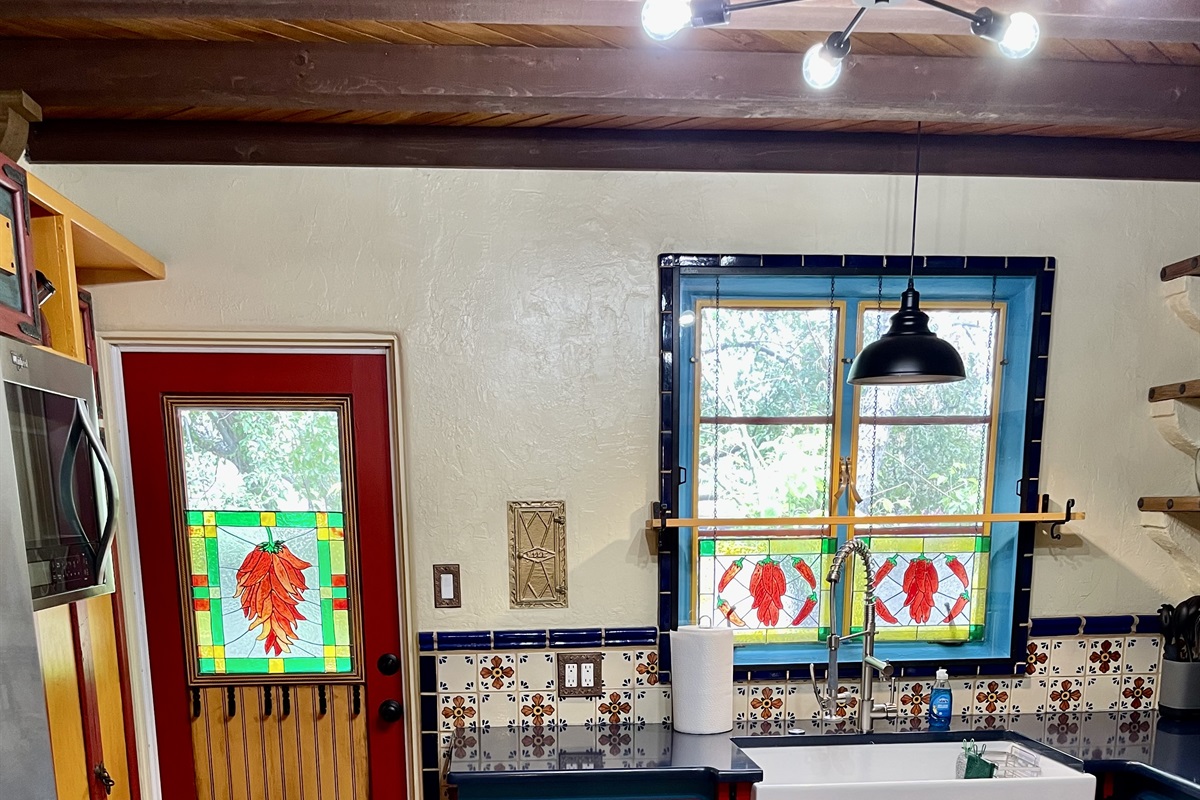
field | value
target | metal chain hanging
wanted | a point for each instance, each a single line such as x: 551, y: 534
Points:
x: 987, y: 382
x: 717, y: 393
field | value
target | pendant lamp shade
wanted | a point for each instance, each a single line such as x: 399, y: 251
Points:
x: 909, y: 353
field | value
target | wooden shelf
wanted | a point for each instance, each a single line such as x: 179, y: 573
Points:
x: 824, y: 522
x: 1170, y: 505
x: 1188, y: 390
x: 1189, y: 267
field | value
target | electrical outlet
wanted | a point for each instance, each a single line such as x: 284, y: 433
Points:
x: 579, y: 674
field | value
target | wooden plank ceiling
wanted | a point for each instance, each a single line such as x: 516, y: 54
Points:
x: 1125, y: 69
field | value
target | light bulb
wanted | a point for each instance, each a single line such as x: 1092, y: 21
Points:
x: 662, y: 19
x: 687, y: 318
x: 1020, y: 37
x: 821, y: 69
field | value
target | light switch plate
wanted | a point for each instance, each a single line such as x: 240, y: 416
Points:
x: 579, y: 674
x: 447, y: 588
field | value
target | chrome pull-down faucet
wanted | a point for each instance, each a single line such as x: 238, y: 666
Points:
x: 831, y: 698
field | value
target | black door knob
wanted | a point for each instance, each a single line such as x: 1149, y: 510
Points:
x: 388, y: 663
x: 391, y: 711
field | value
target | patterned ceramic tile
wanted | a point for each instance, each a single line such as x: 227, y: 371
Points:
x: 847, y: 710
x: 536, y: 671
x: 458, y: 710
x: 1037, y: 657
x: 1136, y: 727
x: 767, y: 701
x: 1100, y: 731
x: 646, y: 668
x: 1102, y: 692
x: 1027, y: 696
x: 1063, y: 694
x: 576, y: 711
x: 460, y: 743
x: 538, y: 742
x: 987, y: 722
x: 741, y: 702
x: 913, y: 700
x: 615, y: 740
x: 652, y: 705
x: 537, y: 708
x: 615, y: 708
x: 617, y: 669
x: 498, y: 710
x: 1062, y: 729
x: 457, y: 673
x: 1138, y: 692
x: 801, y: 703
x: 991, y: 696
x: 497, y: 672
x: 1105, y: 656
x: 963, y: 693
x: 1068, y: 657
x: 1143, y: 654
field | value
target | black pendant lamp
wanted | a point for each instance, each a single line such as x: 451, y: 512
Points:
x: 909, y: 353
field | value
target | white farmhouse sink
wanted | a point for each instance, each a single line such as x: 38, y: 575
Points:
x: 920, y: 771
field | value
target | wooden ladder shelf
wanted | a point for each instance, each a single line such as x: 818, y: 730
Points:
x: 1188, y: 390
x: 1170, y: 505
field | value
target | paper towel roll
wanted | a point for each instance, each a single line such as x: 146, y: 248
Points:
x: 702, y: 679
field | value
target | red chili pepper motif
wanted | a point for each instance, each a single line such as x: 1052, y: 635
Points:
x: 806, y: 609
x: 882, y: 611
x: 731, y: 615
x: 920, y: 585
x: 767, y: 586
x: 270, y: 585
x: 730, y: 573
x: 958, y: 569
x: 884, y: 570
x: 805, y: 572
x: 958, y: 606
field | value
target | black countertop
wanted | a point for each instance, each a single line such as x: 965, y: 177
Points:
x: 1136, y: 743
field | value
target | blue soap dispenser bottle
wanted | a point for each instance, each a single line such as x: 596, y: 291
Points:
x: 941, y: 702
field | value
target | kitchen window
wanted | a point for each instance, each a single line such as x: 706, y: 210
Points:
x: 763, y: 424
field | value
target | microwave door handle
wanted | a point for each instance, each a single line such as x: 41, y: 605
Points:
x: 110, y: 486
x: 66, y: 484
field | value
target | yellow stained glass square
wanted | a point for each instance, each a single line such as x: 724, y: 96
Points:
x: 322, y: 534
x: 331, y: 665
x: 196, y: 531
x: 204, y: 631
x: 210, y: 518
x: 267, y: 519
x: 341, y: 627
x: 329, y: 651
x: 274, y: 665
x: 210, y: 531
x: 322, y: 519
x: 337, y: 533
x: 337, y: 558
x: 326, y: 591
x: 199, y: 556
x: 341, y: 650
x: 218, y: 651
x: 219, y: 665
x: 206, y: 651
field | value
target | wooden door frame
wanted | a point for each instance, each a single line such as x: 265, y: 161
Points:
x: 110, y: 348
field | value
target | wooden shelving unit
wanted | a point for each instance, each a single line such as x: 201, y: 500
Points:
x: 1189, y: 267
x: 1188, y: 390
x: 1170, y: 505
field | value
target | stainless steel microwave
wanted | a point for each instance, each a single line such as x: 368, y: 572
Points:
x: 66, y: 486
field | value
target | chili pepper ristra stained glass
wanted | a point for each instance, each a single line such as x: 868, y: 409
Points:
x: 269, y: 550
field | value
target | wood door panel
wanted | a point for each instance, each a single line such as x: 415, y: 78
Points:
x: 57, y: 652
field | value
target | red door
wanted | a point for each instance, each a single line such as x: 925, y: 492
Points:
x: 266, y: 527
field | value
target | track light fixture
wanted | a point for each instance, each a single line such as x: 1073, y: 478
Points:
x: 1016, y: 35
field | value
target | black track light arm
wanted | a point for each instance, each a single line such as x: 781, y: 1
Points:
x: 975, y: 18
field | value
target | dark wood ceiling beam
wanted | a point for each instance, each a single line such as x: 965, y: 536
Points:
x: 1133, y: 20
x: 498, y: 80
x: 138, y: 142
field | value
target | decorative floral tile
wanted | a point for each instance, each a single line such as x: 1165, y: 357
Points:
x: 1037, y: 657
x: 652, y: 705
x: 1027, y: 696
x: 1102, y: 693
x: 1099, y: 730
x: 1105, y: 656
x: 498, y: 710
x: 538, y: 742
x: 988, y: 722
x: 457, y: 673
x: 913, y: 700
x: 646, y: 668
x: 497, y: 672
x: 1068, y: 657
x: 963, y: 693
x: 741, y: 702
x: 843, y: 712
x: 461, y: 744
x: 1062, y: 729
x: 536, y: 708
x: 800, y: 703
x: 576, y: 711
x: 458, y: 710
x: 1063, y: 694
x: 1138, y: 692
x: 1143, y: 654
x: 767, y: 701
x: 1135, y: 727
x: 991, y: 696
x: 536, y: 671
x: 615, y: 708
x: 617, y: 669
x: 615, y: 741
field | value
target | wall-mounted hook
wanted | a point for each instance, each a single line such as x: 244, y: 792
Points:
x: 287, y: 700
x: 1054, y: 526
x: 268, y: 694
x: 195, y: 703
x: 231, y: 701
x: 356, y: 700
x: 322, y: 706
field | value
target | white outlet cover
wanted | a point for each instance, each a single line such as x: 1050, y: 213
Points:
x: 587, y: 675
x: 572, y: 675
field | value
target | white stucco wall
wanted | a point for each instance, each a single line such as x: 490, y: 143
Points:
x: 526, y: 306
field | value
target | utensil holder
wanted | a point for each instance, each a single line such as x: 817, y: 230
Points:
x: 1179, y: 688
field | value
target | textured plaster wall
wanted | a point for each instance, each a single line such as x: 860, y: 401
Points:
x: 525, y: 302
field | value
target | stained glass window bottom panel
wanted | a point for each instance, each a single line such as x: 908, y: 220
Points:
x: 927, y: 588
x: 269, y: 592
x: 767, y: 588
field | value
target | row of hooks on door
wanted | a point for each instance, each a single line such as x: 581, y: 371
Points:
x: 285, y: 698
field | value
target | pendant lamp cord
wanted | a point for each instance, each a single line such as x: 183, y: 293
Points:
x: 912, y: 256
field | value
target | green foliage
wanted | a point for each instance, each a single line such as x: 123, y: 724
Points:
x: 262, y: 459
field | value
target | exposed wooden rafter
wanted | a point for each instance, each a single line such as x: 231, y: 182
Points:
x: 133, y: 142
x: 500, y: 80
x: 1146, y: 20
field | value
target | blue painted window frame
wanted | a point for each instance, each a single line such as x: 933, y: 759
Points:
x: 1025, y: 284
